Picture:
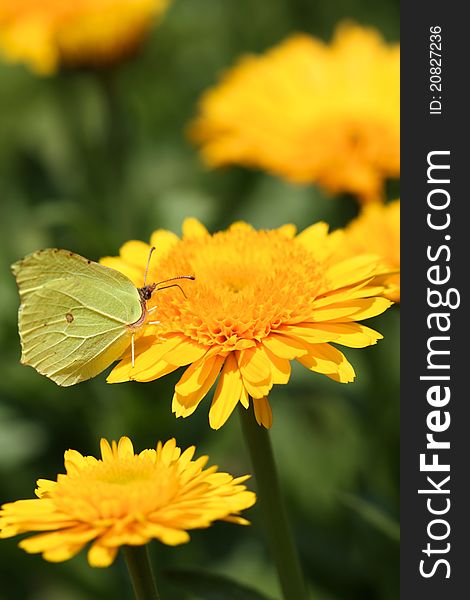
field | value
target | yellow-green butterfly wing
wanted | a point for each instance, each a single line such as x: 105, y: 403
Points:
x: 75, y: 316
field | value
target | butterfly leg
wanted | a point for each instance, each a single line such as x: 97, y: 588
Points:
x: 132, y: 350
x: 149, y: 311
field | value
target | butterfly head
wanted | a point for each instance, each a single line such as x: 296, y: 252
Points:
x: 146, y: 292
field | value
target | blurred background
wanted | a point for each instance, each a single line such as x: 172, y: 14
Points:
x: 90, y: 161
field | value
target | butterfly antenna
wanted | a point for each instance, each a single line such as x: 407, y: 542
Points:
x: 148, y: 265
x: 191, y: 277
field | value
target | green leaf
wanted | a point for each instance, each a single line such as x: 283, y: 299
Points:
x: 211, y: 586
x: 373, y: 515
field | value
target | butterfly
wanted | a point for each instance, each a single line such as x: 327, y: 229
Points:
x: 76, y: 316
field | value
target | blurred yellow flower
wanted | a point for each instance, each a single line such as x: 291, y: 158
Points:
x: 377, y: 230
x: 47, y: 33
x: 310, y: 112
x: 124, y: 499
x: 260, y: 300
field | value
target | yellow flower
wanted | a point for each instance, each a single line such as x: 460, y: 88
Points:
x: 377, y: 230
x: 47, y: 33
x: 124, y: 499
x: 310, y: 112
x: 260, y: 299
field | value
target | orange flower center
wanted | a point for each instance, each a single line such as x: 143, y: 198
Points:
x: 247, y: 284
x: 122, y: 488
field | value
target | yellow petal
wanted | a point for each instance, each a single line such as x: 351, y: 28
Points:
x: 361, y: 290
x: 101, y: 556
x: 259, y: 389
x: 61, y: 553
x: 185, y: 404
x: 245, y: 398
x: 329, y: 361
x: 135, y: 253
x: 169, y: 451
x: 125, y: 448
x: 289, y: 230
x: 284, y: 346
x: 196, y: 375
x: 133, y: 272
x: 127, y: 536
x: 163, y: 241
x: 155, y: 372
x: 44, y: 486
x: 241, y: 226
x: 227, y: 394
x: 308, y: 332
x: 263, y: 412
x: 124, y: 372
x: 168, y: 535
x: 187, y: 456
x: 69, y: 540
x: 312, y: 237
x: 238, y: 520
x: 194, y: 229
x: 352, y: 270
x: 254, y: 365
x: 29, y: 41
x: 352, y: 335
x: 355, y: 309
x: 184, y: 353
x: 280, y: 367
x: 144, y: 361
x: 106, y: 452
x: 255, y: 370
x: 73, y: 460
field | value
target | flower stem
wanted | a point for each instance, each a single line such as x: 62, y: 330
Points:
x: 272, y: 506
x: 141, y: 573
x: 117, y: 127
x: 115, y: 154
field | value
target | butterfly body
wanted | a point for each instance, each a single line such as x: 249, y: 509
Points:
x: 76, y: 316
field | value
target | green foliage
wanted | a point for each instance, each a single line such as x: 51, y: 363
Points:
x: 88, y: 162
x: 207, y: 586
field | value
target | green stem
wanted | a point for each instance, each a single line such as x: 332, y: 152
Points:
x: 116, y: 154
x: 140, y: 571
x: 116, y: 126
x: 272, y: 507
